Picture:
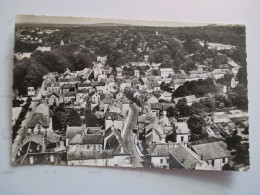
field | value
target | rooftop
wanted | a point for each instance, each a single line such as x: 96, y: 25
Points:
x: 211, y: 150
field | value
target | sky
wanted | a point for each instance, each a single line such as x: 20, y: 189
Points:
x: 85, y: 21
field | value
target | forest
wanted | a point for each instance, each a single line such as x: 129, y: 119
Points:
x: 176, y: 47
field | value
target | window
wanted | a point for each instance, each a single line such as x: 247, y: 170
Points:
x: 213, y: 162
x: 167, y: 160
x: 31, y: 159
x: 161, y: 161
x: 52, y: 158
x: 182, y: 138
x: 87, y: 146
x: 223, y: 160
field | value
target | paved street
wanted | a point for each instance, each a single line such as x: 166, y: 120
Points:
x: 129, y: 138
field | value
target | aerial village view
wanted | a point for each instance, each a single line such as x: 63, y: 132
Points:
x: 130, y: 96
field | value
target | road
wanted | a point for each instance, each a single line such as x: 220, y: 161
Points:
x: 129, y: 138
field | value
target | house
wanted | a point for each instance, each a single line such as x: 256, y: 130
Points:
x: 53, y: 87
x: 67, y: 88
x: 101, y: 70
x: 166, y: 72
x: 144, y: 83
x: 103, y: 105
x: 63, y: 81
x: 234, y: 82
x: 215, y: 153
x: 220, y: 117
x: 178, y: 82
x: 190, y: 99
x: 182, y: 133
x: 152, y: 136
x: 115, y: 106
x: 157, y: 108
x: 166, y: 96
x: 69, y: 97
x: 125, y: 83
x: 85, y: 86
x: 40, y: 124
x: 81, y: 95
x: 182, y: 157
x: 136, y: 83
x: 43, y: 108
x: 219, y: 73
x: 159, y: 155
x: 95, y: 98
x: 33, y: 151
x: 114, y: 119
x: 30, y: 91
x: 156, y: 86
x: 136, y: 73
x: 119, y: 72
x: 114, y: 140
x: 136, y: 94
x: 119, y: 95
x: 152, y: 100
x: 78, y: 139
x: 54, y: 98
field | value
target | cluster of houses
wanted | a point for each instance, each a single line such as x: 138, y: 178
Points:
x: 109, y: 94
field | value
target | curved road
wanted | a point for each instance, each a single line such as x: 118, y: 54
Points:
x: 129, y: 138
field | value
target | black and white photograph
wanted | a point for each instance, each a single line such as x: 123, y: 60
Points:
x: 106, y: 92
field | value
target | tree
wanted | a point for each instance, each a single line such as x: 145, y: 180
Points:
x: 197, y: 109
x: 220, y: 59
x: 91, y: 119
x: 233, y: 140
x: 209, y: 103
x: 59, y: 120
x: 196, y: 124
x: 73, y: 118
x: 170, y: 112
x: 183, y: 108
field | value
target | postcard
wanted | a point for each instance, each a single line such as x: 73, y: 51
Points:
x: 129, y: 93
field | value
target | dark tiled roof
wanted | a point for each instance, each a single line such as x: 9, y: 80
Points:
x: 72, y: 131
x: 114, y: 116
x: 86, y: 155
x: 186, y: 158
x: 159, y: 150
x: 212, y: 150
x: 93, y: 139
x: 70, y: 94
x: 43, y: 120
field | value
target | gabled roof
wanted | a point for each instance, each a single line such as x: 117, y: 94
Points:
x: 93, y: 139
x: 53, y: 137
x: 86, y: 155
x: 37, y: 138
x: 53, y: 94
x: 68, y: 86
x: 52, y: 84
x: 42, y: 108
x: 153, y: 136
x: 159, y: 150
x: 181, y: 128
x: 114, y: 116
x: 84, y: 84
x: 136, y: 81
x: 185, y: 157
x: 43, y: 120
x: 73, y: 130
x: 68, y: 80
x: 212, y: 150
x: 70, y: 94
x: 166, y: 69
